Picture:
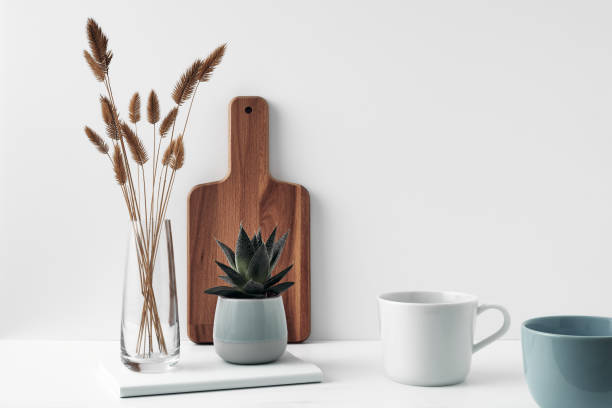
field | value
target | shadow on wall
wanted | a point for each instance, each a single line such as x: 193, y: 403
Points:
x: 320, y: 292
x: 278, y: 144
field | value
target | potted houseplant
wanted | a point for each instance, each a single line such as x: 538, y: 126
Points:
x: 250, y: 325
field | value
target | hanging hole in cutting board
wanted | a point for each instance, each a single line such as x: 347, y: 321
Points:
x: 248, y: 109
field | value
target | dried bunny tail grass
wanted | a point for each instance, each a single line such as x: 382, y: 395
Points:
x: 211, y: 62
x: 95, y: 67
x: 186, y: 84
x: 110, y: 117
x: 168, y: 121
x: 119, y: 167
x: 97, y: 140
x: 153, y: 108
x: 135, y: 108
x: 168, y: 153
x: 98, y: 43
x: 137, y: 148
x: 178, y: 155
x: 107, y: 109
x: 109, y: 57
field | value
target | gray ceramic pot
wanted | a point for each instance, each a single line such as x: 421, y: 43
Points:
x: 568, y: 361
x: 250, y: 331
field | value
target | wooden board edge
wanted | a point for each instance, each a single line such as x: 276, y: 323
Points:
x: 306, y: 333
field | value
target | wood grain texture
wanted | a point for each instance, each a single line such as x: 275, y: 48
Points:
x: 248, y: 195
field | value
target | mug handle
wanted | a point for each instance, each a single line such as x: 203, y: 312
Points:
x: 505, y: 326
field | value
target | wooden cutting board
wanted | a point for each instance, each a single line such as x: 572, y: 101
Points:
x: 247, y: 195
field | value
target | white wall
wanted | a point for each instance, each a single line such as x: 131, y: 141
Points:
x: 460, y: 145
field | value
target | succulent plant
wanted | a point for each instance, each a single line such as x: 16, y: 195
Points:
x: 250, y: 268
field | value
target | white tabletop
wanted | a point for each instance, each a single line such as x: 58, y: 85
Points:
x: 65, y: 374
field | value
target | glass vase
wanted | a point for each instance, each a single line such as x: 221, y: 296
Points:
x: 150, y: 339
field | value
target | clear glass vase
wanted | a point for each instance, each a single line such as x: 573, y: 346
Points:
x: 150, y: 339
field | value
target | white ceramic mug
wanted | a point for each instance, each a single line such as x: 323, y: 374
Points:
x: 428, y: 337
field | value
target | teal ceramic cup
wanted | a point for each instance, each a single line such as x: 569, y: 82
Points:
x: 568, y: 361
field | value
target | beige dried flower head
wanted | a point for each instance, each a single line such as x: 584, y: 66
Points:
x: 137, y: 148
x: 153, y: 108
x: 210, y: 63
x: 178, y: 155
x: 97, y: 140
x: 98, y: 43
x: 94, y: 66
x: 119, y: 166
x: 168, y: 153
x: 168, y: 121
x: 110, y: 117
x: 135, y: 108
x: 186, y: 83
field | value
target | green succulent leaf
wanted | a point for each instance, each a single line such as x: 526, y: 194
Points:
x: 280, y: 288
x: 227, y: 292
x: 226, y: 279
x: 244, y: 252
x: 259, y: 267
x: 229, y: 253
x: 277, y: 250
x: 276, y: 278
x: 270, y: 242
x: 236, y: 278
x: 256, y: 240
x: 254, y: 288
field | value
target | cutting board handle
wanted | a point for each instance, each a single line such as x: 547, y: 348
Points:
x: 248, y: 138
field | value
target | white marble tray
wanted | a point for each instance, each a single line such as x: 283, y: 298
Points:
x: 200, y: 369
